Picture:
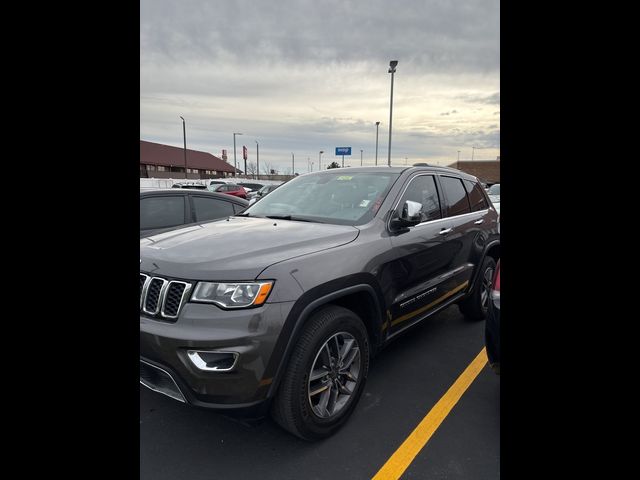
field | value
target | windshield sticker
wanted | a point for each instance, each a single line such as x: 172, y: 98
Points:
x: 364, y: 203
x: 345, y: 177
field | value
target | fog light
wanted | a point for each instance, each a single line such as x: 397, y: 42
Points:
x: 213, y: 361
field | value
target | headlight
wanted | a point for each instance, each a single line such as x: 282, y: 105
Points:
x: 232, y: 295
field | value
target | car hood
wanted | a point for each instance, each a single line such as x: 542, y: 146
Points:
x: 238, y: 248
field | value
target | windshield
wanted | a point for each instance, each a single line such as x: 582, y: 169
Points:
x: 339, y: 197
x: 494, y: 189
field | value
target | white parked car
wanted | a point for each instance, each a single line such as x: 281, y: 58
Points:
x: 494, y: 195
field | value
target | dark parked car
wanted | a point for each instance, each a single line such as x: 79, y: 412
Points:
x: 340, y: 263
x: 231, y: 189
x: 162, y: 210
x: 255, y: 196
x: 492, y: 326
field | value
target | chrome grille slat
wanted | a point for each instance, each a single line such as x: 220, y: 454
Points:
x: 159, y: 296
x: 174, y: 298
x: 144, y: 282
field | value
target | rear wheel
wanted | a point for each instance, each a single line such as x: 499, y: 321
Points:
x: 325, y: 375
x: 476, y: 305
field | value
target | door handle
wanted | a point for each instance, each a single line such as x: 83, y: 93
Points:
x: 445, y: 231
x: 478, y: 222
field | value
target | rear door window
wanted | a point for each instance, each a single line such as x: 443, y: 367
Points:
x: 476, y: 197
x: 456, y: 195
x: 161, y: 212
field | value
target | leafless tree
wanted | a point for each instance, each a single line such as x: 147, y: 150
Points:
x: 252, y: 169
x: 266, y: 168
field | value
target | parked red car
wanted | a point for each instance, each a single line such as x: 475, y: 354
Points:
x: 231, y: 189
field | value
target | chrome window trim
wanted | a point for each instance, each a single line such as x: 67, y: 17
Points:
x: 200, y: 364
x: 160, y: 296
x: 444, y: 174
x: 150, y: 387
x: 185, y: 293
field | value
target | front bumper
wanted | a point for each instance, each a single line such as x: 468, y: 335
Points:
x: 249, y: 334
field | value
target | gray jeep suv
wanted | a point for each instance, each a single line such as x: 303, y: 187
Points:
x: 279, y: 309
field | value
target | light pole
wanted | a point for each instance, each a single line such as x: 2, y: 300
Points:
x: 235, y: 165
x: 472, y: 150
x: 184, y: 136
x: 405, y: 161
x: 458, y: 156
x: 360, y: 157
x: 392, y: 71
x: 312, y: 166
x: 377, y: 125
x: 293, y: 164
x: 257, y: 160
x: 320, y: 160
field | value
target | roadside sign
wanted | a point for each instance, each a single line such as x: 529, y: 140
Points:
x: 343, y: 151
x: 244, y: 152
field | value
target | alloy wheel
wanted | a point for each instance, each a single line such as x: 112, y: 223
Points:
x: 334, y: 374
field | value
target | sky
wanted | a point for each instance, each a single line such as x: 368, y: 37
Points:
x: 300, y: 76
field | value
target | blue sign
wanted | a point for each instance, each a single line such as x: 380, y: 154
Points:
x: 343, y: 151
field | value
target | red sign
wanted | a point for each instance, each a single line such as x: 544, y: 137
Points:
x: 244, y: 152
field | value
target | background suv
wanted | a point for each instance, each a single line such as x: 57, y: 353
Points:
x: 340, y: 263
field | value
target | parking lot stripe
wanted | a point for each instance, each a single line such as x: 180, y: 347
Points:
x: 404, y: 455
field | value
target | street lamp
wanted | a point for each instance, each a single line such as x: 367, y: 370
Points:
x: 392, y: 71
x: 257, y: 159
x: 235, y: 165
x: 293, y: 164
x: 184, y: 136
x: 458, y: 156
x: 377, y: 125
x: 312, y: 166
x: 472, y: 150
x: 320, y: 160
x: 360, y: 157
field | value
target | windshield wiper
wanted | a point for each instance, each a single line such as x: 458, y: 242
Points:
x: 289, y: 217
x: 242, y: 214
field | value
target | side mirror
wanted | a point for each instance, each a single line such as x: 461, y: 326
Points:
x: 408, y: 216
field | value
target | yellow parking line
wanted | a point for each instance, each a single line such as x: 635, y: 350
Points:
x: 404, y: 455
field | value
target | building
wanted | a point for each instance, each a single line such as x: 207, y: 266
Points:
x: 165, y: 161
x: 487, y: 171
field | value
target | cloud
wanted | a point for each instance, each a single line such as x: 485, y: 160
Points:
x: 305, y: 76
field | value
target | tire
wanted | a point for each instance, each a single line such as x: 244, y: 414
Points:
x: 475, y: 306
x: 297, y: 407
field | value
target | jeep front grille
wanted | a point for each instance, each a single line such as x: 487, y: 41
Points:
x: 159, y: 296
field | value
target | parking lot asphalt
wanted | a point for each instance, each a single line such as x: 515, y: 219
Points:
x: 405, y: 381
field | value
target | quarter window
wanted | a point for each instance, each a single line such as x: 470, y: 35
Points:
x: 476, y: 197
x: 422, y: 189
x: 457, y: 200
x: 160, y: 212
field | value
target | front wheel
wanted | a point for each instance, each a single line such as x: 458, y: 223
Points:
x: 476, y: 305
x: 325, y: 376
